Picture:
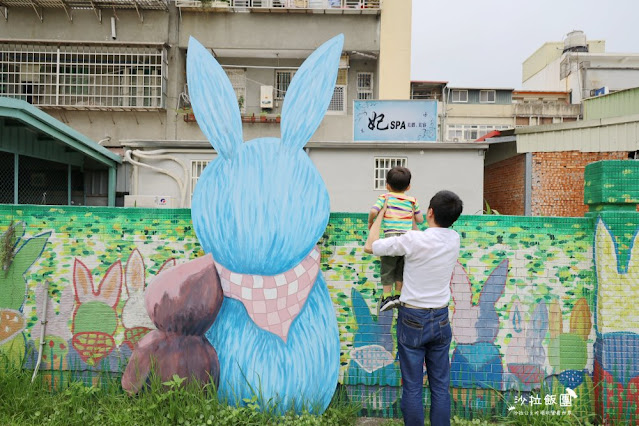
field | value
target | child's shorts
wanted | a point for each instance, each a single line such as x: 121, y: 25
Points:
x: 392, y: 269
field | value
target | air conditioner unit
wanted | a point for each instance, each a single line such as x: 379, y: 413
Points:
x: 266, y: 97
x: 151, y: 201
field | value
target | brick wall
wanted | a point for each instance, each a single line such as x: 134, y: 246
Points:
x: 558, y: 181
x: 504, y: 185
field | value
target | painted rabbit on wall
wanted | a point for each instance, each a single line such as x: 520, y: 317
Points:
x: 259, y: 208
x: 525, y: 355
x: 476, y: 361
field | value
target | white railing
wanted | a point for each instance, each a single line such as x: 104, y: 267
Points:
x: 84, y: 76
x: 282, y: 4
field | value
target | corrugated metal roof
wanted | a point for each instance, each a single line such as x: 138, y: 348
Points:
x: 617, y: 104
x: 43, y: 122
x: 603, y: 135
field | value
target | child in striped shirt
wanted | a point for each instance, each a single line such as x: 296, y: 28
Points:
x: 402, y: 213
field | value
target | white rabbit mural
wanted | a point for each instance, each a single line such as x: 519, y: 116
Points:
x: 259, y: 209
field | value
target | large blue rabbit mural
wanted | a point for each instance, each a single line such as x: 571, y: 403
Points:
x: 259, y: 209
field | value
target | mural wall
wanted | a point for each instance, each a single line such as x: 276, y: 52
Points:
x: 536, y: 301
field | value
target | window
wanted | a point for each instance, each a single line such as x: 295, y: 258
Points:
x: 237, y: 76
x: 197, y: 167
x: 382, y: 166
x: 87, y: 77
x: 487, y: 96
x: 97, y: 183
x: 364, y: 85
x: 282, y: 81
x: 470, y: 132
x: 460, y: 95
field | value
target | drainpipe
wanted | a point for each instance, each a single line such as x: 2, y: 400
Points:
x: 528, y: 185
x: 157, y: 155
x: 43, y: 326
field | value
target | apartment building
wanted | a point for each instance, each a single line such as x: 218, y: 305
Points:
x: 581, y: 67
x: 467, y: 114
x: 115, y: 71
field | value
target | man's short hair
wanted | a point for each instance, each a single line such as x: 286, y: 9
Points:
x: 447, y: 207
x: 398, y: 178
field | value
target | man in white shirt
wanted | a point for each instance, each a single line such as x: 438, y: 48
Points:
x: 423, y: 327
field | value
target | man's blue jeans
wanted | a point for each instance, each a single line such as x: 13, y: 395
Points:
x: 424, y: 335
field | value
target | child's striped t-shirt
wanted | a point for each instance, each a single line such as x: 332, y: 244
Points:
x: 399, y: 212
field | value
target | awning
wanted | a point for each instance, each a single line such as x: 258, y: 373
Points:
x: 52, y: 140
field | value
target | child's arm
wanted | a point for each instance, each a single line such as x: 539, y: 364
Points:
x: 379, y: 203
x: 374, y: 230
x: 418, y: 217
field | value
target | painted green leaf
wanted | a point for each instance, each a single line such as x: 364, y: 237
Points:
x: 12, y: 284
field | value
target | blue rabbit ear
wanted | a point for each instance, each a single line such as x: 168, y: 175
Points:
x: 213, y: 100
x: 494, y: 286
x: 310, y: 93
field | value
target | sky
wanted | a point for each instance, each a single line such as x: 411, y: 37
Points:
x: 482, y: 43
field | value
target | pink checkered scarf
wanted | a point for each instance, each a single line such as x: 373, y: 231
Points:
x: 273, y: 301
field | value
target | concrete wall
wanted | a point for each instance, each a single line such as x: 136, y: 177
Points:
x: 548, y: 53
x: 349, y: 174
x: 24, y: 24
x: 280, y: 31
x: 395, y: 50
x: 546, y: 78
x: 479, y: 114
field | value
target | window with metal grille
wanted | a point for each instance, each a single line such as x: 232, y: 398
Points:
x: 282, y: 81
x: 197, y: 167
x: 237, y: 76
x: 338, y: 101
x: 487, y: 96
x: 382, y: 166
x: 79, y: 76
x: 364, y: 85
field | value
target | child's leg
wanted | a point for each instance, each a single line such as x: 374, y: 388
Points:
x: 387, y: 290
x: 399, y: 277
x: 387, y: 272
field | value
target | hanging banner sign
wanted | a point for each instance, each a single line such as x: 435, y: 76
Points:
x: 395, y: 121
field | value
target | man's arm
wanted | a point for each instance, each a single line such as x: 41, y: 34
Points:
x: 374, y: 230
x: 371, y: 217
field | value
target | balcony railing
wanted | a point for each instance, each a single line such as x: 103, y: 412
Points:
x: 312, y: 6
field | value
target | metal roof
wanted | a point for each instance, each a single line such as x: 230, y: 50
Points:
x: 600, y: 135
x: 42, y: 122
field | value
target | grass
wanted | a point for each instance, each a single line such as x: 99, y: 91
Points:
x: 72, y: 402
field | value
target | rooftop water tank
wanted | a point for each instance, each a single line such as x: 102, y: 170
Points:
x: 575, y: 41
